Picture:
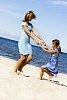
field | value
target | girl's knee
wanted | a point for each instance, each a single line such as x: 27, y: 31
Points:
x: 42, y: 68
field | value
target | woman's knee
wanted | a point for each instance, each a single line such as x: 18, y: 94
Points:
x: 23, y: 57
x: 30, y: 57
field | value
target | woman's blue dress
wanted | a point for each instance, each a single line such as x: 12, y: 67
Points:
x: 24, y: 41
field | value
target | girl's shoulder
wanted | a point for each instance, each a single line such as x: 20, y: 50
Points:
x: 57, y: 52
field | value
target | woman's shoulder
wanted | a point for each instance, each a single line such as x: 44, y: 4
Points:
x: 22, y: 24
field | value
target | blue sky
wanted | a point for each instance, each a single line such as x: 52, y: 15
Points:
x: 50, y: 23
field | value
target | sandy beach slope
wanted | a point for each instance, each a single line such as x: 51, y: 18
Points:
x: 28, y: 86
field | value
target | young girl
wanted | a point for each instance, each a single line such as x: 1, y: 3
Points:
x: 51, y: 68
x: 25, y: 48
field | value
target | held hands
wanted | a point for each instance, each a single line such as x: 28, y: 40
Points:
x: 42, y: 42
x: 44, y: 46
x: 38, y: 43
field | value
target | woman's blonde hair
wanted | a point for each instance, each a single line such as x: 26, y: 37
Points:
x: 29, y: 13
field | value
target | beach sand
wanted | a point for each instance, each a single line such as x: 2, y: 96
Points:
x: 28, y: 86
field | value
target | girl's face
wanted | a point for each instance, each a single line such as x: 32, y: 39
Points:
x: 53, y: 45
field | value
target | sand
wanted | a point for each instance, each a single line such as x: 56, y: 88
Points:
x: 28, y: 86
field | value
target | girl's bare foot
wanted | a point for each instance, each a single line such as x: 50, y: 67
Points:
x: 40, y: 78
x: 50, y: 77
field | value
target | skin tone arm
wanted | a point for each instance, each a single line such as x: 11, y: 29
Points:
x: 48, y: 50
x: 38, y: 36
x: 29, y: 33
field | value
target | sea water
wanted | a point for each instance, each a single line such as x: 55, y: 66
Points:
x: 9, y: 48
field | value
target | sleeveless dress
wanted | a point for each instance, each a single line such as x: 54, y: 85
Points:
x: 53, y: 65
x: 24, y: 41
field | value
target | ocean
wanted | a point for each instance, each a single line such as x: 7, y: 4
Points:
x: 9, y: 48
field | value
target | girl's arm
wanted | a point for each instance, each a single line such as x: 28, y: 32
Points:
x: 48, y: 50
x: 38, y: 36
x: 29, y: 33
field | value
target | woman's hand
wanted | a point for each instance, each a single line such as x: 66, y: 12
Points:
x: 43, y: 42
x: 37, y: 42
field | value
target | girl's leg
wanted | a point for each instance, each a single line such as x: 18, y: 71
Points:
x: 44, y: 70
x: 41, y: 72
x: 27, y: 60
x: 50, y: 75
x: 19, y: 62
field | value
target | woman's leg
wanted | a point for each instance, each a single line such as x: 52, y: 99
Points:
x: 19, y: 63
x: 27, y: 60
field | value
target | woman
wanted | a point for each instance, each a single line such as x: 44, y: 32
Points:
x: 24, y: 45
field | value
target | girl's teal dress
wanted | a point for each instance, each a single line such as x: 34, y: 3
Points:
x: 24, y: 41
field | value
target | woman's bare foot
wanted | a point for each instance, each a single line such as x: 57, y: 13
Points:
x: 19, y: 72
x: 15, y: 73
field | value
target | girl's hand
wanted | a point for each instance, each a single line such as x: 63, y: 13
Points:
x: 44, y: 48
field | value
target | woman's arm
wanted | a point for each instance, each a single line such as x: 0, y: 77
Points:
x: 29, y: 33
x: 38, y: 36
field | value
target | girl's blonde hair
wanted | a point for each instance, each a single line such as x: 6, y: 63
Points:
x: 29, y: 13
x: 56, y: 42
